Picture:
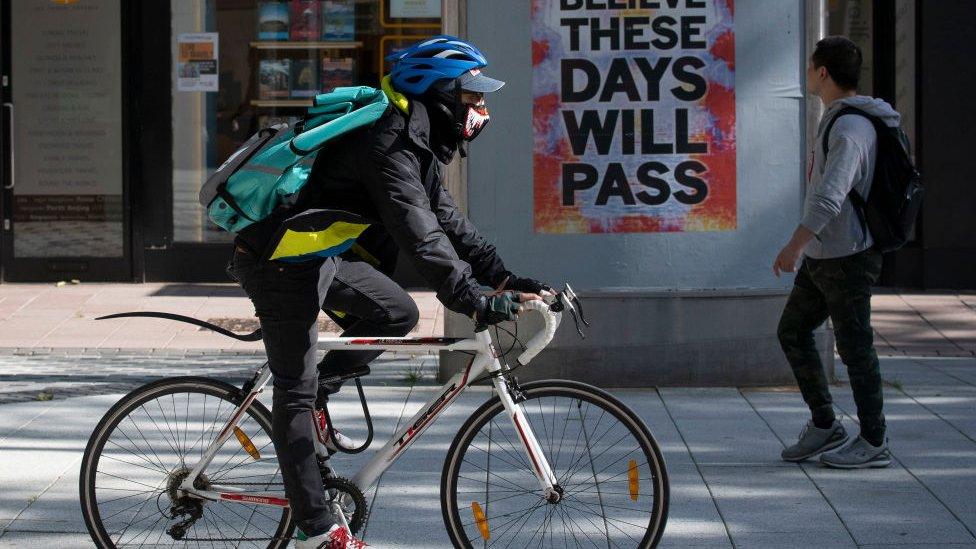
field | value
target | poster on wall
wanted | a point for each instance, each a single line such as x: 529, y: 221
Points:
x: 196, y: 67
x: 634, y: 116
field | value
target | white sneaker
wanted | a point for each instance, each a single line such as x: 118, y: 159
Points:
x: 336, y: 538
x: 322, y: 433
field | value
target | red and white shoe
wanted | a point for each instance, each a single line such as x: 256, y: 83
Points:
x: 336, y: 538
x: 322, y: 433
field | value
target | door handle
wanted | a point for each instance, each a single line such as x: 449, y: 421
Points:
x: 12, y: 154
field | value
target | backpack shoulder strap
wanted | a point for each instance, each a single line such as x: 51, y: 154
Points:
x: 840, y: 113
x: 856, y: 199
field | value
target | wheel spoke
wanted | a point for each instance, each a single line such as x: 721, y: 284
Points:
x: 588, y: 441
x: 145, y: 449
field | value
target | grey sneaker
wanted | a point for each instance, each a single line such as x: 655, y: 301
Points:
x: 814, y: 441
x: 859, y: 454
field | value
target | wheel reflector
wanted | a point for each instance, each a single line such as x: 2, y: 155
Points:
x: 246, y: 443
x: 634, y: 485
x: 479, y: 518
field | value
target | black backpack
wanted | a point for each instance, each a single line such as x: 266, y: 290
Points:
x: 896, y: 189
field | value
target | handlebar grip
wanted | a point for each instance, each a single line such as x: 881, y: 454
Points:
x: 541, y: 339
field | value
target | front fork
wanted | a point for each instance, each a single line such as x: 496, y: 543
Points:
x: 512, y: 397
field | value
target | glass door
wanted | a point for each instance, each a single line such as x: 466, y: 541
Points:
x: 63, y: 152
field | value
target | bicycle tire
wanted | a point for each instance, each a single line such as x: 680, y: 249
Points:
x: 581, y: 392
x: 126, y: 406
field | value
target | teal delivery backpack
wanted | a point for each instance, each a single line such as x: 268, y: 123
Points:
x: 271, y: 167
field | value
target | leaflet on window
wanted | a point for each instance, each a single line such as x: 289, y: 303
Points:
x: 415, y: 9
x: 196, y: 68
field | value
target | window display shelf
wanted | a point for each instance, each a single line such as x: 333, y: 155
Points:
x: 303, y: 103
x: 278, y: 45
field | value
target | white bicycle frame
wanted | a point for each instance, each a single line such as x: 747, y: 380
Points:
x: 485, y: 360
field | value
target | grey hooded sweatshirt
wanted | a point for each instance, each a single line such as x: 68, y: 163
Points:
x: 853, y: 146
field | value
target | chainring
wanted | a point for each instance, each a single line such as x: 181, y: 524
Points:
x: 353, y: 502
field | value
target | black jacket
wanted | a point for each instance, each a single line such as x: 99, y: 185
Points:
x: 390, y: 174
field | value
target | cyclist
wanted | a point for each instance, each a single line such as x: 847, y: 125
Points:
x: 390, y: 174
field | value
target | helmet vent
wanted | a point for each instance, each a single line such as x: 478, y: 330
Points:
x: 438, y: 58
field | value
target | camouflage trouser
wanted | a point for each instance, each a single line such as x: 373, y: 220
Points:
x: 841, y: 289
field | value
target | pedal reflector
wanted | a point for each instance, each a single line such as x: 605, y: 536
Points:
x: 633, y: 475
x: 246, y: 443
x: 479, y: 518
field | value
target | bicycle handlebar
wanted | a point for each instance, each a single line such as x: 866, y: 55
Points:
x: 542, y: 338
x: 551, y: 307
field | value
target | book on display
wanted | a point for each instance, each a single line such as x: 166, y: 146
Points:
x: 274, y: 78
x: 306, y: 20
x: 339, y: 20
x: 304, y: 78
x: 273, y: 20
x: 336, y: 73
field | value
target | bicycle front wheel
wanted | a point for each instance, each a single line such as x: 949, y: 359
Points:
x: 148, y: 443
x: 607, y: 464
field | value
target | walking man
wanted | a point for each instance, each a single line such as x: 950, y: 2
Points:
x: 837, y: 267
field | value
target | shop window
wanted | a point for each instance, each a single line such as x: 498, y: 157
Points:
x: 905, y: 66
x: 854, y: 19
x: 271, y: 57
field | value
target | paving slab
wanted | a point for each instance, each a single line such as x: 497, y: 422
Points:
x: 924, y: 324
x: 720, y: 427
x: 35, y: 456
x: 885, y: 505
x: 961, y: 370
x: 780, y: 540
x: 693, y: 518
x: 920, y: 546
x: 938, y: 490
x: 16, y: 417
x: 45, y: 540
x: 769, y: 499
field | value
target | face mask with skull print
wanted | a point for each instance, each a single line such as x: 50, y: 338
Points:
x: 473, y: 120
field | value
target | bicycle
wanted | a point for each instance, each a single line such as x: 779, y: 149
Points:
x: 547, y: 463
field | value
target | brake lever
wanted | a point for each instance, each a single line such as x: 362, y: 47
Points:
x: 576, y: 319
x: 579, y: 305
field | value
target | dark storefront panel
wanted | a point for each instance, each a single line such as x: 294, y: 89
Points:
x: 947, y: 142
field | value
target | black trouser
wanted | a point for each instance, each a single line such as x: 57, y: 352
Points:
x: 371, y: 305
x: 841, y: 289
x: 287, y: 299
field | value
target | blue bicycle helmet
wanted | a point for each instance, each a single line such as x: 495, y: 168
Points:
x: 442, y: 57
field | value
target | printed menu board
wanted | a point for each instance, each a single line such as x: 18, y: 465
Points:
x: 67, y: 93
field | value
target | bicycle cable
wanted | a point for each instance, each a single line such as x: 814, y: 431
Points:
x: 506, y: 370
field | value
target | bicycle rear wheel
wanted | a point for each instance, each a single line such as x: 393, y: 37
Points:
x: 146, y: 445
x: 609, y: 468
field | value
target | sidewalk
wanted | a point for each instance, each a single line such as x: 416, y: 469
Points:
x: 45, y: 317
x: 925, y: 324
x: 728, y: 487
